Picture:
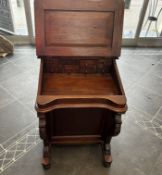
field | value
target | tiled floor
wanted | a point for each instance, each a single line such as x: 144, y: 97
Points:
x: 136, y: 151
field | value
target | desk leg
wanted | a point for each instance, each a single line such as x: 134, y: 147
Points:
x: 107, y: 158
x: 46, y: 143
x: 118, y: 123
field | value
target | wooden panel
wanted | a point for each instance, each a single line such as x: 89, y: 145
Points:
x: 82, y: 84
x: 77, y: 122
x: 78, y: 28
x: 96, y: 5
x: 77, y: 65
x: 72, y: 140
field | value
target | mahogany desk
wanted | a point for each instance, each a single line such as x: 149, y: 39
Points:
x: 80, y: 95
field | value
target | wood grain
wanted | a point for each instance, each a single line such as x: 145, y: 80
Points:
x: 79, y: 28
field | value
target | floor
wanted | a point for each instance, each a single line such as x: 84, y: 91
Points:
x: 136, y: 151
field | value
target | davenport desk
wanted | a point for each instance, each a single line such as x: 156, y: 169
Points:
x: 80, y: 95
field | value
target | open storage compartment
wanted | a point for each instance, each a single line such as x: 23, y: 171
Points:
x: 79, y: 84
x: 73, y: 83
x: 80, y: 87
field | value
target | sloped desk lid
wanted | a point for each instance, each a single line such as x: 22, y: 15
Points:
x: 78, y: 27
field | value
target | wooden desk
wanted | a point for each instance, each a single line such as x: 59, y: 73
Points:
x: 80, y: 95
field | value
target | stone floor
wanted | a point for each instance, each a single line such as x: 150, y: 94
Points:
x: 136, y: 151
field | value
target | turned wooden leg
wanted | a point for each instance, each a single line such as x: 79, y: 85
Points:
x: 107, y: 158
x: 46, y: 144
x: 118, y: 123
x: 46, y: 162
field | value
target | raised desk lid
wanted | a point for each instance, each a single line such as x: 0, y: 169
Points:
x: 79, y: 27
